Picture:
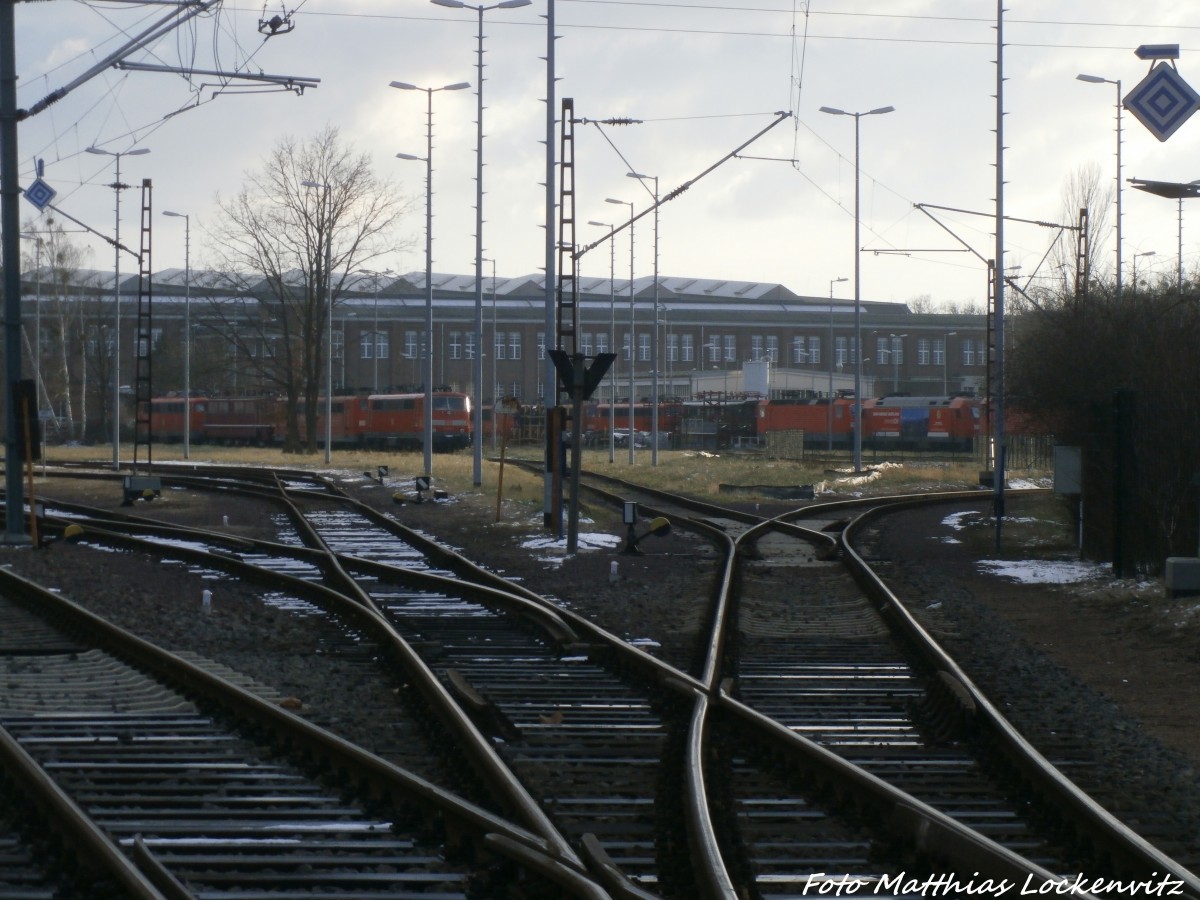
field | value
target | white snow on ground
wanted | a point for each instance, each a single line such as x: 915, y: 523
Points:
x: 555, y: 549
x: 1045, y: 571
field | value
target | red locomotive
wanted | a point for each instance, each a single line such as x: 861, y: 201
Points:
x: 383, y: 421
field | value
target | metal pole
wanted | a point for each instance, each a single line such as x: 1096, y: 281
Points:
x: 632, y: 344
x: 857, y: 310
x: 329, y: 333
x: 427, y: 441
x: 187, y: 337
x: 477, y: 363
x: 612, y: 311
x: 10, y: 230
x: 479, y: 352
x: 1119, y: 188
x: 375, y: 343
x: 116, y: 352
x: 654, y: 356
x: 832, y: 354
x: 549, y: 516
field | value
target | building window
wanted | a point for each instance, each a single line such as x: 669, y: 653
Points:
x: 814, y: 350
x: 410, y: 345
x: 773, y: 348
x: 585, y: 344
x: 756, y: 347
x: 689, y: 351
x: 514, y: 344
x: 339, y: 344
x: 601, y: 342
x: 968, y: 352
x: 382, y: 343
x: 714, y: 347
x: 644, y: 346
x: 498, y: 349
x: 923, y: 357
x: 730, y: 348
x: 625, y: 346
x: 672, y: 348
x: 799, y: 354
x: 541, y: 350
x: 841, y: 351
x: 456, y: 345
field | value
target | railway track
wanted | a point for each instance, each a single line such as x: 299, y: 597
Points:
x: 808, y: 739
x: 176, y: 781
x: 827, y: 652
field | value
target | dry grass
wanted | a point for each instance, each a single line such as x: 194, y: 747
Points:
x: 685, y: 471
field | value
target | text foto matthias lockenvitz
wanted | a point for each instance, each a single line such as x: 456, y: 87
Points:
x: 953, y: 885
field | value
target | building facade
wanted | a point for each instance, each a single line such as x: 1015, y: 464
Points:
x: 705, y: 332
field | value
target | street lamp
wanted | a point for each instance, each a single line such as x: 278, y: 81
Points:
x: 654, y: 327
x: 1172, y: 190
x: 612, y: 337
x: 896, y: 340
x: 187, y: 330
x: 858, y: 361
x: 829, y: 408
x: 1137, y: 256
x: 376, y: 334
x: 945, y: 360
x: 632, y: 349
x: 477, y: 363
x: 117, y: 187
x: 428, y: 160
x: 328, y: 318
x: 1096, y: 79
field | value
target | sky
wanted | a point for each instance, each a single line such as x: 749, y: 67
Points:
x: 703, y: 78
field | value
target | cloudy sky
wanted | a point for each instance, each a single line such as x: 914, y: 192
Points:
x: 702, y: 77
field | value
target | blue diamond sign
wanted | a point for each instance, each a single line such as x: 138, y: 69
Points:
x: 39, y: 193
x: 1162, y: 101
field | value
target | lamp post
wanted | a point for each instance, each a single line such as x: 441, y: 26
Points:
x: 829, y: 408
x: 632, y: 348
x: 477, y: 363
x: 654, y: 327
x: 945, y: 360
x: 858, y: 361
x: 376, y: 333
x: 896, y: 340
x: 1096, y: 79
x: 427, y: 438
x: 117, y: 187
x: 1136, y: 257
x: 187, y: 330
x: 612, y: 338
x: 328, y: 317
x: 1172, y: 190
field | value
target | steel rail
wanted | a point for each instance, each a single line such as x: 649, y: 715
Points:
x: 1120, y: 843
x: 478, y: 747
x: 99, y: 854
x: 336, y: 751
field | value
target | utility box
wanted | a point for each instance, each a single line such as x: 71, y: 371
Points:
x: 141, y: 487
x: 1182, y: 576
x: 1068, y: 470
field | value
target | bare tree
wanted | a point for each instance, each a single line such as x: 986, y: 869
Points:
x: 314, y: 212
x: 1085, y: 190
x: 59, y: 330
